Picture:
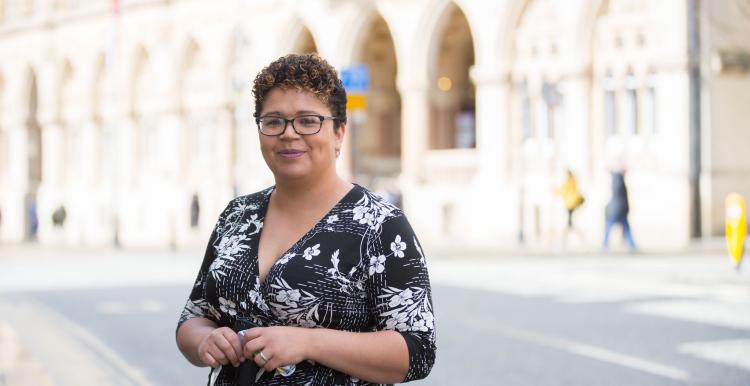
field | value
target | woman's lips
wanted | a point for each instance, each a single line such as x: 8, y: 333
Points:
x: 289, y: 154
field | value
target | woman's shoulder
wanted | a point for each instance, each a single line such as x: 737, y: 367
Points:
x: 252, y: 201
x: 366, y: 197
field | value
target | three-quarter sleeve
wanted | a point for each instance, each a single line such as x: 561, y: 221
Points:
x: 398, y: 290
x: 197, y: 305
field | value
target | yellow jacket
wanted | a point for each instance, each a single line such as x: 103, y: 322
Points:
x: 570, y: 194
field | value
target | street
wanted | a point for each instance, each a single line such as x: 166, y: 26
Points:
x: 108, y: 318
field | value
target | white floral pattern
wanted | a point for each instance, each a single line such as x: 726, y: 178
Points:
x: 377, y: 264
x: 311, y: 251
x: 398, y: 246
x: 360, y: 268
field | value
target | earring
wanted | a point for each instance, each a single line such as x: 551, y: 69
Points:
x: 338, y: 153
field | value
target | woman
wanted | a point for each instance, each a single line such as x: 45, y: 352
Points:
x: 333, y: 273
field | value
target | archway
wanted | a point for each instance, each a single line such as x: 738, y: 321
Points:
x: 144, y: 122
x: 452, y: 94
x: 102, y: 130
x: 67, y: 141
x: 376, y: 137
x: 305, y: 43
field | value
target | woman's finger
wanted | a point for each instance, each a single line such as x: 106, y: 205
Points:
x: 228, y: 349
x: 263, y: 359
x: 253, y: 346
x: 209, y: 360
x: 217, y: 354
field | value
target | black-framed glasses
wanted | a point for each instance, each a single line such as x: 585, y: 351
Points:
x: 302, y: 125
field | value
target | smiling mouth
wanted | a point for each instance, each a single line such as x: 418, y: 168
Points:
x: 289, y: 154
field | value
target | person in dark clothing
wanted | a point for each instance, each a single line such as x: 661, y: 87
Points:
x: 195, y: 211
x: 617, y: 211
x: 59, y: 216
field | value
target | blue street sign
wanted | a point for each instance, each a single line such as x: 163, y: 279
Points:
x: 356, y: 79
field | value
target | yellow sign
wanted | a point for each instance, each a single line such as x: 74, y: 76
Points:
x: 356, y: 102
x: 736, y: 226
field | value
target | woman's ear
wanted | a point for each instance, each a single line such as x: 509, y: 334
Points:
x: 339, y: 134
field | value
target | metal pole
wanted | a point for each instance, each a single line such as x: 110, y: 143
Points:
x: 694, y: 74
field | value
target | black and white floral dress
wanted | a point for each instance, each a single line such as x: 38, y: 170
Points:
x: 360, y: 268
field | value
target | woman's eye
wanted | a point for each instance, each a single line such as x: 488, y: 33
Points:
x: 309, y: 121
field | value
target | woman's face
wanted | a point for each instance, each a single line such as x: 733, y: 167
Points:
x: 292, y: 156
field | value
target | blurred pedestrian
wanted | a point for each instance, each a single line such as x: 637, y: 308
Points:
x: 572, y: 199
x: 331, y: 273
x: 59, y: 216
x: 617, y: 210
x: 195, y: 211
x: 33, y: 221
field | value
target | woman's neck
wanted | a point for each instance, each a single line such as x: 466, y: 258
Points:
x: 301, y: 195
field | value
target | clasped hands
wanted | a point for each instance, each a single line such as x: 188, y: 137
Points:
x: 269, y: 347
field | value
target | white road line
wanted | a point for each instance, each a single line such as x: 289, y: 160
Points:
x: 117, y: 307
x: 73, y: 355
x: 732, y: 315
x: 727, y: 352
x: 589, y: 351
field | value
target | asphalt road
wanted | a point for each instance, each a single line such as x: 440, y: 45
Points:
x: 556, y: 323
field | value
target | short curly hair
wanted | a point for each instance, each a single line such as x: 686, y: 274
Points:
x: 306, y: 72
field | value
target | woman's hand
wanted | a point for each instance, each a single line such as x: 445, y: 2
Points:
x: 220, y: 347
x: 279, y: 345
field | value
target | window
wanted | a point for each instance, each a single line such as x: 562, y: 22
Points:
x: 526, y: 114
x: 631, y: 105
x: 609, y: 113
x: 649, y: 108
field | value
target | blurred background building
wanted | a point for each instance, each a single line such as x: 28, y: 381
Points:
x: 130, y: 122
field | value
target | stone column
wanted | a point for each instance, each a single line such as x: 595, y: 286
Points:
x: 492, y: 124
x: 14, y: 223
x: 415, y: 110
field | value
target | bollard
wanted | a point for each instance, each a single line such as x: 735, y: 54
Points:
x: 736, y: 229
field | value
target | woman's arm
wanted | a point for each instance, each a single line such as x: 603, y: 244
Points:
x: 204, y: 344
x: 378, y: 357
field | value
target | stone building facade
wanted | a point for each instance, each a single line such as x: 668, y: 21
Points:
x: 135, y: 116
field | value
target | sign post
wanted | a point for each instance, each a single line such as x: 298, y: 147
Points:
x: 356, y: 81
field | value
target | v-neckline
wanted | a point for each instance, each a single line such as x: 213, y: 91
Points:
x: 264, y: 212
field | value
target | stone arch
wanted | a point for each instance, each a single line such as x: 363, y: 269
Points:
x: 452, y: 94
x: 98, y: 95
x: 304, y: 43
x: 186, y: 76
x: 63, y: 103
x: 535, y: 70
x: 377, y: 141
x: 515, y: 12
x: 584, y: 35
x: 139, y: 83
x: 189, y: 98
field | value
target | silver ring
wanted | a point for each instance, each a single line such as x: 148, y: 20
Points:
x: 262, y: 356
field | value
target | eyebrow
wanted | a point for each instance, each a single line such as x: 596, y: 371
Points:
x: 298, y: 113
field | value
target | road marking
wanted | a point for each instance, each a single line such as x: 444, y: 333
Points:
x: 589, y: 351
x: 727, y: 352
x: 115, y: 307
x: 72, y: 355
x: 733, y: 315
